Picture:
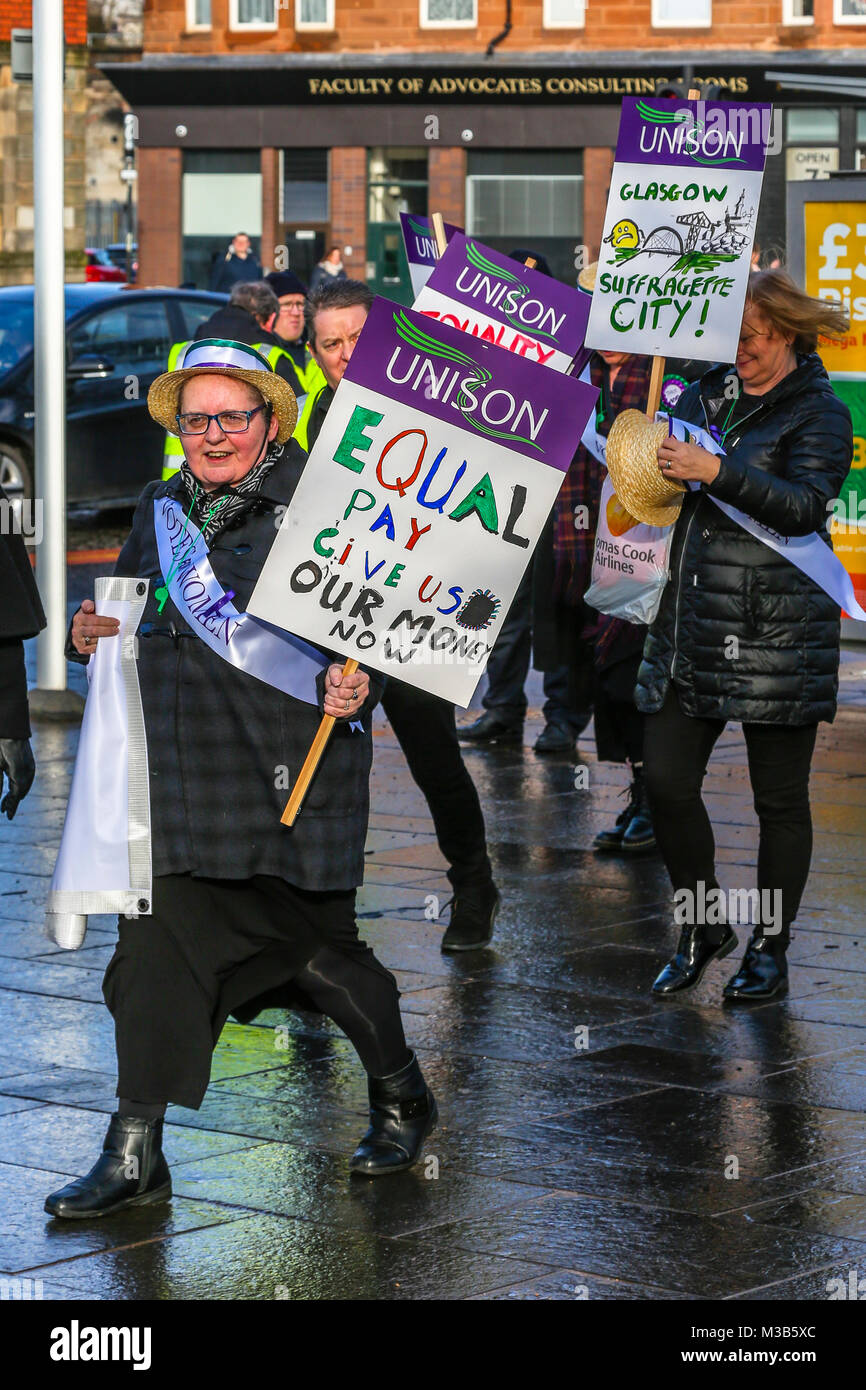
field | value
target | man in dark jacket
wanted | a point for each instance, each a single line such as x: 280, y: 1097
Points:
x: 240, y: 904
x: 21, y: 616
x: 250, y: 317
x: 424, y: 724
x: 742, y: 633
x: 238, y: 266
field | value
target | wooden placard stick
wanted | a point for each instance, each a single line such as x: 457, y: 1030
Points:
x: 313, y: 758
x: 658, y: 368
x: 439, y: 236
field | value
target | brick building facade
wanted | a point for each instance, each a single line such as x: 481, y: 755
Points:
x: 16, y: 146
x: 310, y: 121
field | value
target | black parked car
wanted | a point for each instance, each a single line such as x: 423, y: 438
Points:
x: 117, y: 342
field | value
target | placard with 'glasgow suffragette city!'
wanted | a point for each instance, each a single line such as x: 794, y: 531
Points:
x: 422, y: 501
x: 679, y: 228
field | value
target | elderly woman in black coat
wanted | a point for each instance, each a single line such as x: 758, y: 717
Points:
x: 742, y: 633
x: 240, y: 903
x: 21, y: 616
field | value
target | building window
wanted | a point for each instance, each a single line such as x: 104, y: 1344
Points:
x: 682, y: 14
x: 812, y: 123
x: 532, y: 199
x: 449, y: 14
x: 798, y: 11
x: 253, y: 14
x: 849, y: 11
x: 305, y: 185
x: 314, y: 14
x: 198, y: 14
x: 564, y: 14
x: 396, y: 182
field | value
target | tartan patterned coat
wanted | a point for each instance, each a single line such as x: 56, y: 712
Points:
x: 218, y: 738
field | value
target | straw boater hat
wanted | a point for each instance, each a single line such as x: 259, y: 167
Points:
x: 221, y: 357
x: 633, y: 465
x: 586, y: 278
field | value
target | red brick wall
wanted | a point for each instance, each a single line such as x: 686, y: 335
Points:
x: 270, y: 205
x: 349, y: 206
x: 371, y: 25
x: 16, y: 14
x: 597, y: 164
x: 446, y: 175
x: 159, y: 212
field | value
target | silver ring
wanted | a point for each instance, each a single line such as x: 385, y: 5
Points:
x: 354, y: 694
x: 347, y: 704
x: 88, y: 640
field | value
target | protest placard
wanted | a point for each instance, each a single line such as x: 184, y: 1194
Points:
x: 482, y: 292
x: 422, y: 501
x: 679, y: 228
x: 420, y: 244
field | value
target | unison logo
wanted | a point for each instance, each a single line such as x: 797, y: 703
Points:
x: 683, y: 133
x: 502, y: 290
x: 462, y: 384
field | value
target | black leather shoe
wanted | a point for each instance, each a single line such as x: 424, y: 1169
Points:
x: 555, y: 738
x: 402, y: 1113
x: 490, y: 729
x: 130, y: 1172
x: 763, y: 970
x: 694, y: 954
x: 473, y: 913
x: 639, y: 834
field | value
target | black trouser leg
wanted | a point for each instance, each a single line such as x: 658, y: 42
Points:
x: 427, y: 732
x: 508, y: 665
x: 676, y: 750
x: 779, y: 761
x: 364, y: 1003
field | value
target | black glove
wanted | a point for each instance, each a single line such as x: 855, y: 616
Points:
x: 16, y: 760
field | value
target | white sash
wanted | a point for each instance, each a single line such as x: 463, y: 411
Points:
x: 809, y: 553
x: 106, y: 834
x: 276, y: 657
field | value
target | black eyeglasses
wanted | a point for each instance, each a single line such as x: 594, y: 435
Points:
x: 229, y: 421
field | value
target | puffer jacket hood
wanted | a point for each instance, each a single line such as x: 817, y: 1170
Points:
x: 742, y: 632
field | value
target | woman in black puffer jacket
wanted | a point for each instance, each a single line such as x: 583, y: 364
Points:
x: 742, y: 633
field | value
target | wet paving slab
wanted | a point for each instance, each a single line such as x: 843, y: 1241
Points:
x: 594, y: 1142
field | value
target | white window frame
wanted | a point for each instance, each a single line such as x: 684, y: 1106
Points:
x: 425, y: 23
x: 788, y: 16
x: 579, y: 23
x: 192, y: 27
x: 259, y: 27
x: 840, y: 18
x: 305, y: 28
x: 680, y: 24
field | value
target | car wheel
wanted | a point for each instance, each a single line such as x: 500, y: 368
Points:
x: 16, y: 473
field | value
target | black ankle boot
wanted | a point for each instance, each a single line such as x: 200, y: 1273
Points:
x: 639, y: 833
x: 763, y: 970
x: 130, y: 1172
x: 694, y: 953
x: 402, y: 1113
x: 473, y: 913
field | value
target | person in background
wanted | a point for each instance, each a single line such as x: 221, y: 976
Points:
x: 237, y: 265
x: 21, y: 616
x: 424, y: 724
x: 331, y: 268
x: 289, y: 329
x: 528, y: 637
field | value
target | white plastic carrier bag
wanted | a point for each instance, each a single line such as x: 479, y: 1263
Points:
x: 630, y: 562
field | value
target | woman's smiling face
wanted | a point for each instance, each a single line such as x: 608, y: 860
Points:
x: 215, y: 458
x: 763, y: 353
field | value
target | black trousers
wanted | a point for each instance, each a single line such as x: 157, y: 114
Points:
x: 677, y: 748
x: 210, y: 945
x: 618, y: 721
x: 426, y: 730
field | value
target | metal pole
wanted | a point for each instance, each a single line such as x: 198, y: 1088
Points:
x: 49, y: 273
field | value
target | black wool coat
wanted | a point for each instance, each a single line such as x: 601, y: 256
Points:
x: 222, y: 745
x: 787, y: 457
x: 21, y: 616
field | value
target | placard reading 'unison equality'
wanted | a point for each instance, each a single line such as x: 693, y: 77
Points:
x: 422, y: 501
x: 679, y: 228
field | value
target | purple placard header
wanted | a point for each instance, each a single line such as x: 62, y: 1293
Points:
x: 696, y: 135
x: 475, y: 385
x: 512, y: 294
x: 419, y: 238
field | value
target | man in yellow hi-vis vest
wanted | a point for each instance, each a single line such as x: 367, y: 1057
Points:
x: 249, y: 317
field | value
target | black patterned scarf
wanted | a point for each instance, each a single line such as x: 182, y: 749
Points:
x: 212, y: 511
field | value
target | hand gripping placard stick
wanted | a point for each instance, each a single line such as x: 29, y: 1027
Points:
x: 658, y: 367
x: 311, y: 762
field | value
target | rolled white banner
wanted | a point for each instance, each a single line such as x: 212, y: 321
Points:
x: 104, y: 863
